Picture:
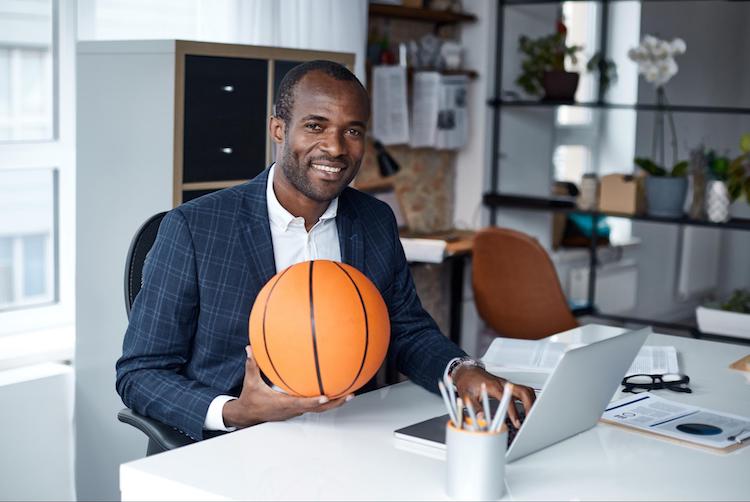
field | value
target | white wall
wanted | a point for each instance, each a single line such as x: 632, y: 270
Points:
x: 36, y: 433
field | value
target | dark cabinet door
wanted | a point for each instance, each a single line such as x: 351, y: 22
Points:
x: 226, y: 118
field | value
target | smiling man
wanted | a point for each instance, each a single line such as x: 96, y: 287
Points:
x: 185, y: 357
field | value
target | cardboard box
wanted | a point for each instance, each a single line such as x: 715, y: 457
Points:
x: 622, y: 193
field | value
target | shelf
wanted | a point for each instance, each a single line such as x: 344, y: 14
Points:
x: 496, y: 200
x: 538, y: 2
x: 504, y: 103
x: 416, y: 14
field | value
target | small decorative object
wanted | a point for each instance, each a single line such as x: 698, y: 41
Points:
x: 425, y: 53
x: 450, y: 54
x: 738, y: 179
x: 665, y: 190
x: 543, y: 68
x: 717, y: 201
x: 698, y: 166
x: 588, y: 196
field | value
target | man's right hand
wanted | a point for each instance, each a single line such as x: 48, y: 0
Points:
x: 260, y: 403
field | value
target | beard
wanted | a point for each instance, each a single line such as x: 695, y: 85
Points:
x: 299, y: 175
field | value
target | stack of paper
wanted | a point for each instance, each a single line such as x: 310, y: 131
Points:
x: 424, y: 250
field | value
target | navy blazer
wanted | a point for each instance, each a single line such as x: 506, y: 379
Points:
x: 185, y: 343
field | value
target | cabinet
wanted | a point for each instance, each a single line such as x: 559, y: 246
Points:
x: 499, y: 197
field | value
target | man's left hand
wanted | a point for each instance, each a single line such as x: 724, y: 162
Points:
x: 469, y: 379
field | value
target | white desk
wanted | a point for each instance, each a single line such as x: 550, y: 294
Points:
x: 350, y: 453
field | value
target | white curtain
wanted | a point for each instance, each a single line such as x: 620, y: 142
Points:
x: 328, y: 25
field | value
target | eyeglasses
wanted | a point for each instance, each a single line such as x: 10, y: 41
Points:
x: 644, y: 383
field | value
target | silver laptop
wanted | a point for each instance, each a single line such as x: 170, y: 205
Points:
x: 572, y: 400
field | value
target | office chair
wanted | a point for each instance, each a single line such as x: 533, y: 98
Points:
x: 516, y: 289
x: 161, y: 437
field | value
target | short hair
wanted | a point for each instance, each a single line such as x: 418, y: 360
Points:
x: 285, y: 95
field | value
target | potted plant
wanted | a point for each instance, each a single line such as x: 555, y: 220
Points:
x: 730, y: 318
x: 543, y: 67
x: 728, y: 179
x: 665, y: 189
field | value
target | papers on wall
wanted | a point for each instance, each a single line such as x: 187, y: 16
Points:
x: 543, y: 356
x: 424, y: 250
x: 439, y: 113
x: 390, y: 113
x: 651, y: 413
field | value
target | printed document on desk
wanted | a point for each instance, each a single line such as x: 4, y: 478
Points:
x: 543, y: 356
x: 653, y: 414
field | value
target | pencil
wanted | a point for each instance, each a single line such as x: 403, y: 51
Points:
x: 447, y: 402
x: 486, y: 406
x: 502, y: 410
x: 451, y: 391
x: 460, y: 412
x: 470, y: 408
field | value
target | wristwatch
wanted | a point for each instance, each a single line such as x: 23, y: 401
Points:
x: 463, y: 361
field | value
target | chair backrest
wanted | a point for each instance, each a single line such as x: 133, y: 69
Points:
x: 516, y: 289
x: 139, y: 247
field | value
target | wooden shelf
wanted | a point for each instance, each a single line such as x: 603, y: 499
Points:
x: 416, y: 14
x: 730, y: 110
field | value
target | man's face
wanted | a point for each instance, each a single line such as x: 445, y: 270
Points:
x: 321, y: 148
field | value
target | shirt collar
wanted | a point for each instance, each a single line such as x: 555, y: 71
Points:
x: 279, y: 216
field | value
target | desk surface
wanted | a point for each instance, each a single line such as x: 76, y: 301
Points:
x: 350, y: 453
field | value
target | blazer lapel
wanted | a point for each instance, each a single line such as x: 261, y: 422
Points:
x: 351, y: 234
x: 255, y: 230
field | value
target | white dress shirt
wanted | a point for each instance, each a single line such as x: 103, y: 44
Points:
x: 292, y: 243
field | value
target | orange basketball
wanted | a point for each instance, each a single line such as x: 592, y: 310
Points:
x: 319, y: 328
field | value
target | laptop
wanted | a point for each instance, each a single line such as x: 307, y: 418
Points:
x: 572, y: 401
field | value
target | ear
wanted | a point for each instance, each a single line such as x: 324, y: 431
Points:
x: 276, y: 129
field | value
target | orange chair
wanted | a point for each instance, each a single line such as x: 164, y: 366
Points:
x: 516, y: 289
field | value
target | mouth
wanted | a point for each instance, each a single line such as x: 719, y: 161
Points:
x: 327, y: 169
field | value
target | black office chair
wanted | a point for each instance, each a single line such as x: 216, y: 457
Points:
x: 161, y: 437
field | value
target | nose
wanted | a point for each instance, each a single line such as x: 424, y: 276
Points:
x: 334, y: 144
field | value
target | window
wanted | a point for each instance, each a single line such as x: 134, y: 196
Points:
x: 26, y: 75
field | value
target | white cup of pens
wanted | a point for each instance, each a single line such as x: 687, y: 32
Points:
x: 475, y: 447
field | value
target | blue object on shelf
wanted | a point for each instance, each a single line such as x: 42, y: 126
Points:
x: 584, y: 224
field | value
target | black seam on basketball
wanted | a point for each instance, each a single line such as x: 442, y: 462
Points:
x: 367, y: 328
x: 312, y: 330
x: 265, y: 343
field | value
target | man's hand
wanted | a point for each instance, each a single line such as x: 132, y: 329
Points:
x: 260, y: 403
x: 469, y: 380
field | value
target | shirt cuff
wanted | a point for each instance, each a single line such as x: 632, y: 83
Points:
x: 215, y: 417
x: 446, y: 373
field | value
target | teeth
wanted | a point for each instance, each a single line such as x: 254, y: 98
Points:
x: 327, y: 169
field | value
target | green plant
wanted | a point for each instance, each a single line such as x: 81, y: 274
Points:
x: 654, y: 169
x: 738, y: 171
x: 607, y: 70
x: 738, y: 302
x: 542, y: 55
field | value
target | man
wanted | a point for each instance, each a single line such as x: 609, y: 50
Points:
x: 185, y: 354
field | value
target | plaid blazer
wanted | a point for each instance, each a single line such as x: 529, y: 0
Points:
x: 185, y: 343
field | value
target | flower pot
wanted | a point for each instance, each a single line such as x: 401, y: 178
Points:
x: 665, y: 196
x: 723, y: 322
x: 717, y: 201
x: 560, y: 85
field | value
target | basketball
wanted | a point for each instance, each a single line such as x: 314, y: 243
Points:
x: 319, y: 328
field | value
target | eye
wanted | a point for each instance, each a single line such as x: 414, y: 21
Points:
x: 313, y: 126
x: 354, y: 132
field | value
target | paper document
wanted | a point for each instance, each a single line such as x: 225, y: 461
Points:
x: 439, y: 111
x: 390, y: 114
x: 651, y: 413
x: 424, y: 250
x: 542, y: 355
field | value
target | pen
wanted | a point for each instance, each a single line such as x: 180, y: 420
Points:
x: 451, y: 392
x: 486, y: 406
x: 447, y: 402
x: 502, y: 410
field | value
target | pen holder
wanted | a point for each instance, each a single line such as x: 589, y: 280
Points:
x: 476, y: 463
